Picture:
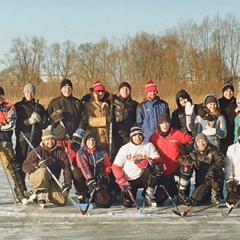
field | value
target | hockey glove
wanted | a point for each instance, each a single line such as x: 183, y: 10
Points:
x: 103, y: 178
x: 77, y: 140
x: 65, y: 190
x: 143, y: 163
x: 209, y: 131
x: 189, y: 109
x: 92, y: 185
x: 56, y: 116
x: 231, y: 186
x: 123, y: 184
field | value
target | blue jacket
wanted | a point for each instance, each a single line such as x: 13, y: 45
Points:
x: 147, y: 115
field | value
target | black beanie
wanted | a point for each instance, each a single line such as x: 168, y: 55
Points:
x: 66, y: 82
x: 124, y: 84
x: 226, y: 86
x: 1, y: 91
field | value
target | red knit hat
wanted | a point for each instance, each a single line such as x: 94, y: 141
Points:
x: 150, y: 86
x: 97, y: 86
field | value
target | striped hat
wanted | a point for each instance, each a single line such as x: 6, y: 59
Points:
x: 135, y: 130
x: 48, y: 134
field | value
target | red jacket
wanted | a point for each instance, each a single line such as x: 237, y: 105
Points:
x: 168, y: 148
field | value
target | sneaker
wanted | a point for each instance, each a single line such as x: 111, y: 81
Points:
x: 182, y: 198
x: 150, y: 198
x: 41, y: 198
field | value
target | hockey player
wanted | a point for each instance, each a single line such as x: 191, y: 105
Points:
x: 208, y: 162
x: 232, y: 173
x: 133, y: 164
x: 31, y: 119
x: 7, y: 124
x: 96, y: 170
x: 56, y: 159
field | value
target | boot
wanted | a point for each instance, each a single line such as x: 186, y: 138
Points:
x: 41, y: 197
x: 182, y: 198
x: 215, y: 198
x: 150, y: 198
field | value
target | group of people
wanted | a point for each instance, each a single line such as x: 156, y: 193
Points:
x: 110, y: 145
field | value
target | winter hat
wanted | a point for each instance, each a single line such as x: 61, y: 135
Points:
x: 209, y: 99
x: 48, y: 134
x: 226, y: 86
x: 97, y: 86
x: 164, y: 118
x: 88, y: 134
x: 1, y: 91
x: 201, y: 136
x: 29, y: 88
x: 238, y: 98
x: 124, y: 84
x: 135, y: 130
x: 150, y: 86
x: 66, y: 82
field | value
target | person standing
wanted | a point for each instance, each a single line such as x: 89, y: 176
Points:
x: 124, y: 115
x: 237, y: 119
x: 54, y: 158
x: 149, y: 110
x: 31, y: 120
x: 208, y: 162
x: 69, y: 121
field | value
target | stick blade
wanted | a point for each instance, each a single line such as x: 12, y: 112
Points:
x: 177, y: 213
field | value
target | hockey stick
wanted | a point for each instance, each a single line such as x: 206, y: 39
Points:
x: 75, y: 204
x: 226, y: 214
x: 177, y: 211
x: 185, y: 213
x: 132, y: 198
x: 32, y: 129
x: 9, y: 184
x: 111, y: 129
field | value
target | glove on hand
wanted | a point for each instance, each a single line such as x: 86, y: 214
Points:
x: 143, y: 163
x: 189, y: 108
x: 103, y: 178
x: 35, y: 117
x: 65, y: 190
x: 56, y: 116
x: 77, y: 140
x: 92, y: 184
x: 209, y: 131
x: 7, y: 126
x: 43, y: 163
x: 123, y: 184
x: 231, y: 186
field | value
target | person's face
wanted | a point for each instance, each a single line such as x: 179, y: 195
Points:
x: 90, y: 143
x: 228, y: 93
x: 183, y: 101
x: 201, y: 144
x: 1, y: 98
x: 29, y: 96
x: 152, y: 95
x: 137, y: 139
x: 49, y: 143
x: 66, y: 91
x: 212, y: 107
x: 100, y: 94
x: 164, y: 126
x: 124, y: 92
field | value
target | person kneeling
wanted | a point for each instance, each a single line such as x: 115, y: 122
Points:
x: 53, y: 159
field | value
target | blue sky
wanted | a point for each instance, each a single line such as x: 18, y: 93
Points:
x: 82, y: 21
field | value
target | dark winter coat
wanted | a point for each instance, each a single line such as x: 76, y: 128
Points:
x: 24, y: 110
x: 210, y: 157
x: 124, y: 119
x: 58, y: 161
x: 73, y: 113
x: 147, y: 115
x: 228, y: 111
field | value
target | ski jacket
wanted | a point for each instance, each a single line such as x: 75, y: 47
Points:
x: 57, y: 161
x: 93, y: 162
x: 147, y: 115
x: 236, y: 127
x: 169, y: 148
x: 211, y: 156
x: 97, y: 113
x: 73, y: 113
x: 7, y: 116
x: 24, y: 110
x: 124, y: 165
x: 232, y: 169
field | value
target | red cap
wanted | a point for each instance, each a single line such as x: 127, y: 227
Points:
x: 150, y: 86
x: 97, y: 86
